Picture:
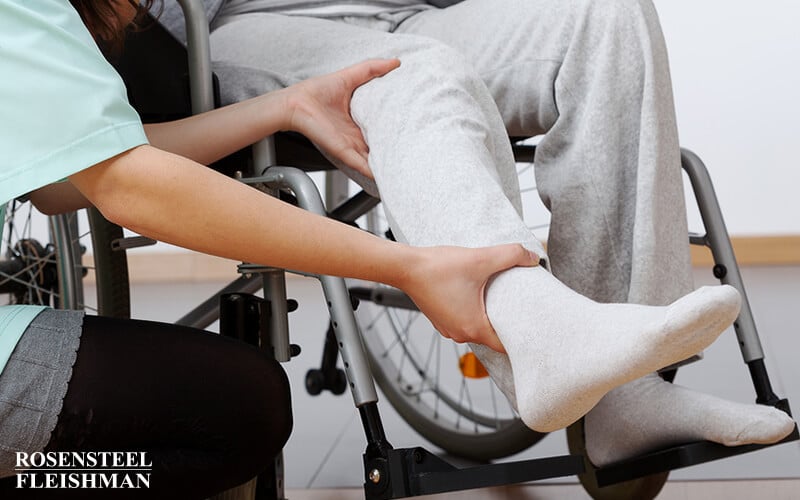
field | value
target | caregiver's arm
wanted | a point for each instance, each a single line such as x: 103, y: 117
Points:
x: 172, y: 199
x: 58, y: 198
x: 319, y: 108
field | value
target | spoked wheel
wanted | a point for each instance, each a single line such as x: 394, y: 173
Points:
x: 437, y: 386
x: 52, y: 261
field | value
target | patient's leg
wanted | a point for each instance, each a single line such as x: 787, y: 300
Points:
x: 557, y: 340
x: 436, y: 148
x: 441, y: 157
x: 595, y: 77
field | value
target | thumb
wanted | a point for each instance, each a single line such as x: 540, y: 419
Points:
x: 361, y: 73
x: 512, y: 255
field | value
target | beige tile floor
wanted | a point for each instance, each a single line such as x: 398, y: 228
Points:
x: 774, y: 489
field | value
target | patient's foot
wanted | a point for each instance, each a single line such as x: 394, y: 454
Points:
x: 567, y: 351
x: 649, y: 414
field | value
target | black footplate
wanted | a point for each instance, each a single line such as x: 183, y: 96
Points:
x: 415, y: 471
x: 678, y: 457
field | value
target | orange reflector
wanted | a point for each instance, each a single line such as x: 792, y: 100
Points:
x: 471, y: 366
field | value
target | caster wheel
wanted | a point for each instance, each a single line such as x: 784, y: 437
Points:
x: 315, y: 382
x: 643, y: 488
x: 339, y: 383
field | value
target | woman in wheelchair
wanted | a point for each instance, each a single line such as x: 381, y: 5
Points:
x: 78, y: 383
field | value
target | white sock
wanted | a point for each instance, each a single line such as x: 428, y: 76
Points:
x: 650, y: 414
x: 566, y: 351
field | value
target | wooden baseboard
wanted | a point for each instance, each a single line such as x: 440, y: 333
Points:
x: 756, y: 251
x: 189, y: 267
x: 176, y: 267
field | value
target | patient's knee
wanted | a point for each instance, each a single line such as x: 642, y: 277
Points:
x: 618, y: 14
x: 429, y: 70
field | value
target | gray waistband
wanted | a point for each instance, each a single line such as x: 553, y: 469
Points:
x: 34, y: 383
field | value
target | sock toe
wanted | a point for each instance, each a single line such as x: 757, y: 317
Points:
x: 771, y: 426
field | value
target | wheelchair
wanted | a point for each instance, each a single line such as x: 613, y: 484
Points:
x: 53, y: 273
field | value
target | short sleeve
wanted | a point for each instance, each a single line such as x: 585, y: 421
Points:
x: 64, y: 108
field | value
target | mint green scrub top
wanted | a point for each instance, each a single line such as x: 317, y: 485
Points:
x: 63, y: 108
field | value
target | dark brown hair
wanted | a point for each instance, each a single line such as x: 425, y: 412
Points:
x: 108, y: 20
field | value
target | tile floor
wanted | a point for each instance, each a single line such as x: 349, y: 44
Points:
x: 775, y: 489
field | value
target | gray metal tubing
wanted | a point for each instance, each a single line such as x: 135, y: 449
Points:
x: 719, y: 243
x: 275, y: 292
x: 201, y: 83
x: 65, y: 228
x: 199, y: 49
x: 264, y: 154
x: 202, y: 94
x: 351, y: 346
x: 337, y: 187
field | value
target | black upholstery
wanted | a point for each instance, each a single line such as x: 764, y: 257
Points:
x: 155, y: 69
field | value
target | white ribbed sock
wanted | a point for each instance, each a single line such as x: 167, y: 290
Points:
x: 649, y: 414
x: 566, y: 351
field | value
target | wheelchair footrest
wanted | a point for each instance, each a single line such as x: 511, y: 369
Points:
x: 415, y: 471
x: 675, y: 458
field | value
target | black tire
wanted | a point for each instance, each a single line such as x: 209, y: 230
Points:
x: 643, y: 488
x: 111, y: 276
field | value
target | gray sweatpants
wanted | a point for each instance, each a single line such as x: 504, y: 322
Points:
x: 591, y: 75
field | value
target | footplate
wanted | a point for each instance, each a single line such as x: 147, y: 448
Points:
x: 678, y: 457
x: 414, y: 471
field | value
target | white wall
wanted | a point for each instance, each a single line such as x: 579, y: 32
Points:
x: 736, y: 80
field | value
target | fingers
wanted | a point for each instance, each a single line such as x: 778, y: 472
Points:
x: 359, y: 163
x: 477, y: 328
x: 492, y: 341
x: 353, y: 152
x: 501, y: 258
x: 486, y: 336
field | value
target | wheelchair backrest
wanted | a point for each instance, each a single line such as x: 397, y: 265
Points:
x: 155, y: 69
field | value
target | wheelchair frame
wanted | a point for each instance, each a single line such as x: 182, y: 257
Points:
x: 397, y: 473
